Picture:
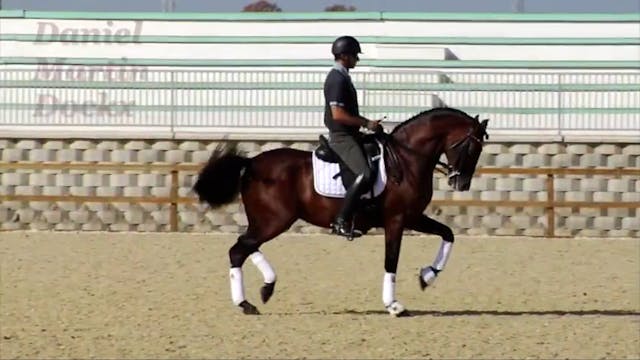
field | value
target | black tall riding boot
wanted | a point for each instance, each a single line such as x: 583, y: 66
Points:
x: 345, y: 215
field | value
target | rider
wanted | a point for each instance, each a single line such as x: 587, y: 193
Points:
x: 343, y: 119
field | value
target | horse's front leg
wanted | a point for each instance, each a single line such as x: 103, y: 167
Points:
x: 425, y: 224
x: 393, y: 238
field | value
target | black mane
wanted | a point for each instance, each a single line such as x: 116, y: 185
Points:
x: 431, y: 112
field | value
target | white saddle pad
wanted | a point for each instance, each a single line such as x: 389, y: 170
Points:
x: 326, y: 185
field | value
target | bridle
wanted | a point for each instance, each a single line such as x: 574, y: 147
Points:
x: 450, y: 171
x: 464, y: 143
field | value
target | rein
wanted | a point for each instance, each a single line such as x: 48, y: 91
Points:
x: 448, y: 170
x: 387, y: 140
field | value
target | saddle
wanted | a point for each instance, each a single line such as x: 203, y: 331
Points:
x: 371, y: 152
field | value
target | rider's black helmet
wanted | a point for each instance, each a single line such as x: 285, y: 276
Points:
x: 347, y: 45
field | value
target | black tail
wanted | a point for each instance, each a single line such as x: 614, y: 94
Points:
x: 219, y: 180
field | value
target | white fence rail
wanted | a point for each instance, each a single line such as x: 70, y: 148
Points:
x: 139, y: 101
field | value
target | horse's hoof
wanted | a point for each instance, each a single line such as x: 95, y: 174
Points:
x: 266, y: 291
x: 249, y: 309
x: 397, y: 310
x: 431, y: 273
x: 423, y: 284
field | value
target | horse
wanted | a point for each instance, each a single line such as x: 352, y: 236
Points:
x: 276, y: 188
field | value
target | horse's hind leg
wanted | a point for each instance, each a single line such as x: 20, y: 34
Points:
x: 244, y: 246
x: 269, y: 275
x: 259, y: 231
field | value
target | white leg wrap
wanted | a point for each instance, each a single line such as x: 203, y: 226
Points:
x: 388, y: 289
x: 237, y: 286
x: 263, y: 265
x: 443, y: 255
x: 429, y: 273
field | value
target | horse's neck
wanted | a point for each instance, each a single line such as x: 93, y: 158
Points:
x: 438, y: 128
x: 422, y: 151
x: 422, y: 143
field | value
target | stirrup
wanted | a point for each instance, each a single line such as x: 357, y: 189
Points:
x: 338, y: 229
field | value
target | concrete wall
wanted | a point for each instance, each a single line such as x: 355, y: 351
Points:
x: 151, y: 217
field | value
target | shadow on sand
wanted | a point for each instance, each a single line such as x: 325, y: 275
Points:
x: 606, y: 312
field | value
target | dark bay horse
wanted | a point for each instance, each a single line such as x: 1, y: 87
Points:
x: 277, y: 189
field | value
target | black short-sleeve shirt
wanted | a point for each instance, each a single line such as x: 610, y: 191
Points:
x: 339, y: 90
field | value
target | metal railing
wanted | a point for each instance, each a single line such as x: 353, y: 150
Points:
x: 102, y: 97
x: 174, y: 199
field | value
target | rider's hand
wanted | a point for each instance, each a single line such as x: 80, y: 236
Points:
x: 374, y: 125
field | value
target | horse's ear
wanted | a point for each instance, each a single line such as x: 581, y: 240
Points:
x: 483, y: 125
x: 477, y: 117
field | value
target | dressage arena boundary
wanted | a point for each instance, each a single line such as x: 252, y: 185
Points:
x: 174, y: 199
